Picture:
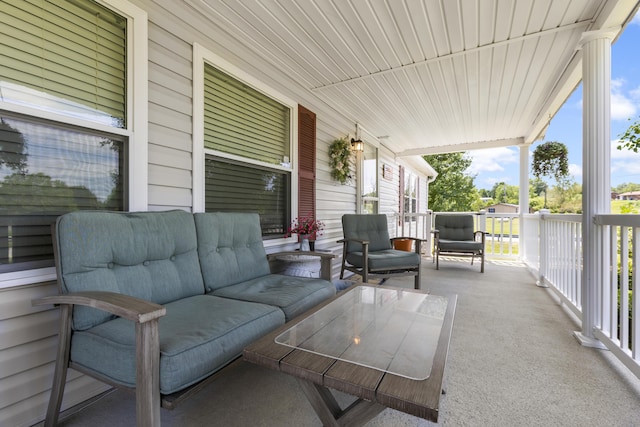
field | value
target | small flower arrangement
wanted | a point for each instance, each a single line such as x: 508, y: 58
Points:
x: 306, y: 226
x: 339, y: 160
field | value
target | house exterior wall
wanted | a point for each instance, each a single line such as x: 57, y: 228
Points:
x: 28, y: 340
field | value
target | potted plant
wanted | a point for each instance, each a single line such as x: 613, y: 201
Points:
x: 551, y: 159
x: 308, y: 229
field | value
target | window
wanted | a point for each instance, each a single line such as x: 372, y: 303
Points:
x: 66, y: 119
x: 369, y: 185
x: 247, y: 133
x: 410, y: 195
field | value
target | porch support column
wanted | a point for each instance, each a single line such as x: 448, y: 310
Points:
x: 523, y: 199
x: 596, y: 182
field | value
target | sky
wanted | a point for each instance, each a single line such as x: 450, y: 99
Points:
x: 502, y: 164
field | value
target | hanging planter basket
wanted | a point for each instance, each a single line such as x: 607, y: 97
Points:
x: 551, y: 159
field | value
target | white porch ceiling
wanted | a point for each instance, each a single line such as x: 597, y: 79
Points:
x: 433, y: 75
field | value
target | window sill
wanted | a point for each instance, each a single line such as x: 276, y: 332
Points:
x: 27, y: 277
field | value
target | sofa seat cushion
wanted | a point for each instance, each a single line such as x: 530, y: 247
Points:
x: 293, y: 295
x: 463, y: 246
x: 198, y: 336
x: 387, y: 260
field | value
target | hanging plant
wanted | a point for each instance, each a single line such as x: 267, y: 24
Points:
x: 339, y: 160
x: 551, y: 159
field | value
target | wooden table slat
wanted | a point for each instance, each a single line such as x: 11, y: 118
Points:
x: 353, y: 379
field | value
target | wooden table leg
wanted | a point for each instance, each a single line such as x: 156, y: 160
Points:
x: 329, y: 411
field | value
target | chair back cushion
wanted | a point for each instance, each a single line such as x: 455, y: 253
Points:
x: 230, y: 248
x: 373, y: 228
x: 148, y: 255
x: 454, y: 227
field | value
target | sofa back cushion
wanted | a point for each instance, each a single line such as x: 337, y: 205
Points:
x: 230, y: 248
x: 149, y: 255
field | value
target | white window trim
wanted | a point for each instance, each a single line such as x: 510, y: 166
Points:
x: 370, y: 139
x: 137, y: 125
x: 202, y: 55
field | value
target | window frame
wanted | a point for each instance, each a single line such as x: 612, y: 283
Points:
x: 136, y: 130
x: 202, y: 55
x: 362, y: 199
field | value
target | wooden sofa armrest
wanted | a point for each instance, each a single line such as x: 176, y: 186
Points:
x: 145, y: 315
x: 325, y: 260
x: 132, y: 308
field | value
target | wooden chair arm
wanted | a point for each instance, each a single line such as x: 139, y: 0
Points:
x: 362, y: 242
x: 482, y: 234
x: 132, y: 308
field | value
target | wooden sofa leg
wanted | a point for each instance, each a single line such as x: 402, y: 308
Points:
x: 62, y: 362
x: 147, y: 374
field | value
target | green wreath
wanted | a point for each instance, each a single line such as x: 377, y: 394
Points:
x: 551, y: 159
x: 339, y: 160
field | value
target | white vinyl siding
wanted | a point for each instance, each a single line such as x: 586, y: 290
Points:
x: 28, y: 340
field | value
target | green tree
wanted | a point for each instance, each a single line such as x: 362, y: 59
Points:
x: 454, y: 189
x: 566, y: 197
x: 13, y: 153
x: 630, y: 139
x: 504, y: 193
x: 626, y: 187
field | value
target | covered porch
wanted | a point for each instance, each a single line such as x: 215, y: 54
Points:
x: 408, y: 78
x: 513, y: 360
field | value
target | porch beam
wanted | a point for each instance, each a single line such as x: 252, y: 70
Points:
x: 596, y: 181
x: 467, y: 146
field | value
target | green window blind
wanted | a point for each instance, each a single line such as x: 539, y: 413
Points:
x: 242, y: 121
x: 64, y: 56
x: 235, y: 187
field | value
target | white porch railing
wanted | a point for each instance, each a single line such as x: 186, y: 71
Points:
x: 551, y: 247
x: 559, y: 266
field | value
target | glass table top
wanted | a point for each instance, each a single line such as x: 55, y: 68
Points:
x: 389, y: 329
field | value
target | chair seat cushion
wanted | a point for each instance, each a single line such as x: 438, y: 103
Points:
x: 463, y: 246
x: 293, y: 295
x: 198, y: 336
x: 386, y: 260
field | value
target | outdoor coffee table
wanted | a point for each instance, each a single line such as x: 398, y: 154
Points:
x: 387, y: 346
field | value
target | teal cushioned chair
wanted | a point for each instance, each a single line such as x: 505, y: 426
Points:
x: 368, y: 251
x: 453, y: 235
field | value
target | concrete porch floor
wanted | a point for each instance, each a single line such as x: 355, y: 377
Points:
x: 513, y: 361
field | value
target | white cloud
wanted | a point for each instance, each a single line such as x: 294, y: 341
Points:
x: 623, y: 106
x: 493, y: 159
x: 636, y: 19
x: 575, y: 171
x: 625, y: 164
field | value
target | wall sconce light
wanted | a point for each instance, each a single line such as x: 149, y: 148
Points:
x: 357, y: 145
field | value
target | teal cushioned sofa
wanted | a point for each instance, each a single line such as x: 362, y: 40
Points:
x: 160, y: 301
